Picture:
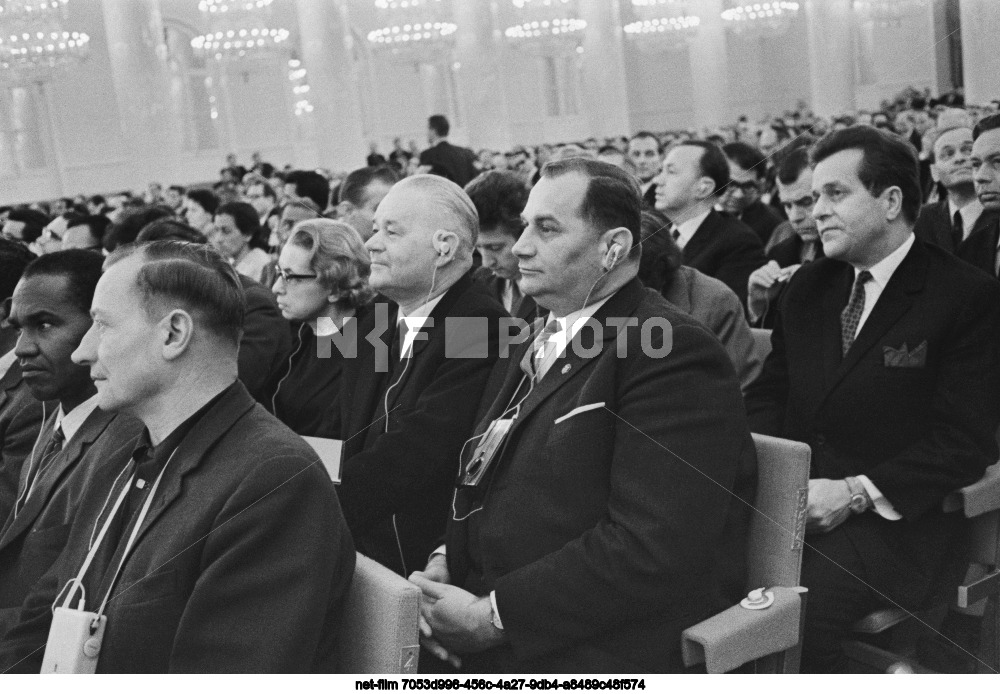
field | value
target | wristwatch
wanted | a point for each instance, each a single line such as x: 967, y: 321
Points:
x: 860, y: 501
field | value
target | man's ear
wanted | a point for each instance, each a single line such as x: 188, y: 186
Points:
x: 935, y: 176
x: 706, y: 188
x: 446, y: 244
x: 177, y: 329
x: 344, y: 208
x: 893, y: 197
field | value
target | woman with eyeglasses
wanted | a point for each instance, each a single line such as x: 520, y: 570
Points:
x: 322, y: 283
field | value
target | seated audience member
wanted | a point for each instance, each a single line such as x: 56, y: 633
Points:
x: 20, y: 413
x: 359, y: 195
x: 24, y: 225
x: 322, y: 283
x: 767, y: 281
x: 86, y: 233
x: 951, y: 220
x: 704, y: 298
x: 499, y: 197
x: 309, y: 187
x: 608, y: 519
x: 236, y: 235
x: 51, y: 310
x: 262, y: 196
x: 51, y: 239
x: 247, y: 537
x: 611, y: 155
x: 898, y: 405
x: 747, y: 181
x: 405, y: 421
x: 174, y: 199
x: 199, y: 208
x: 266, y: 340
x: 982, y: 248
x: 646, y: 156
x: 97, y: 204
x: 127, y: 228
x: 694, y: 175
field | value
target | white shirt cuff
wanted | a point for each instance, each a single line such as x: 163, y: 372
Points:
x: 882, y: 505
x: 493, y: 603
x: 442, y: 550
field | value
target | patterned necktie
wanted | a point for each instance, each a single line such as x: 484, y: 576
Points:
x: 542, y: 351
x: 850, y: 317
x: 957, y: 230
x: 49, y: 452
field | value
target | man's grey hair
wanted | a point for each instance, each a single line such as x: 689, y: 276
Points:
x: 452, y: 205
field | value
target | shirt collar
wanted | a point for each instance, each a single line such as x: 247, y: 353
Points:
x: 570, y: 324
x: 690, y: 226
x: 883, y: 269
x: 970, y: 213
x: 414, y: 322
x: 326, y: 328
x: 6, y: 362
x: 144, y: 447
x: 70, y: 422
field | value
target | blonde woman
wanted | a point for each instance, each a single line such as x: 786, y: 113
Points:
x: 322, y: 283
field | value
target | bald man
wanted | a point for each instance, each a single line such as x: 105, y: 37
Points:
x: 399, y: 468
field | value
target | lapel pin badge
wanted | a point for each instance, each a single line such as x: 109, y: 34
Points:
x: 565, y: 369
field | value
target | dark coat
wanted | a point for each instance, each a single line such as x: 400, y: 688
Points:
x: 980, y: 249
x: 242, y: 564
x: 526, y: 310
x: 266, y: 341
x: 30, y: 543
x: 726, y: 249
x: 762, y: 219
x: 934, y: 224
x: 20, y: 421
x: 457, y: 164
x: 398, y: 470
x: 919, y: 423
x: 606, y: 531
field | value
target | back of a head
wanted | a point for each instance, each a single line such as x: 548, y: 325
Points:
x: 312, y: 186
x: 450, y: 205
x: 353, y: 187
x: 34, y: 222
x: 97, y: 223
x: 439, y: 124
x: 14, y: 258
x: 207, y: 199
x: 82, y: 270
x: 792, y: 163
x: 887, y: 160
x: 499, y: 198
x: 713, y: 163
x: 747, y: 158
x: 192, y: 277
x: 170, y: 230
x: 661, y: 256
x: 129, y: 226
x: 613, y: 197
x: 985, y: 124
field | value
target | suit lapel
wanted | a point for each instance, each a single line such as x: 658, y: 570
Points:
x: 701, y: 236
x: 833, y: 303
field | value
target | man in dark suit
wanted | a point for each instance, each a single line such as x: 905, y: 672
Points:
x: 20, y: 413
x: 747, y: 179
x: 457, y: 164
x: 886, y: 361
x: 413, y: 390
x: 982, y: 248
x: 950, y: 221
x: 607, y: 520
x: 645, y: 155
x: 695, y: 173
x: 766, y: 282
x: 223, y: 545
x: 499, y: 197
x: 51, y: 310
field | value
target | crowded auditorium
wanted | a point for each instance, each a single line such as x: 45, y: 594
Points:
x: 500, y: 344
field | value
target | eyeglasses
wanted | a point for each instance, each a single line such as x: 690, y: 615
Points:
x: 289, y: 277
x: 745, y: 186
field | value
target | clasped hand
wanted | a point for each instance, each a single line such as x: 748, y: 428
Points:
x: 829, y: 504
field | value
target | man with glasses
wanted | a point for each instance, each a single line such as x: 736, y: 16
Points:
x: 747, y: 179
x: 86, y: 233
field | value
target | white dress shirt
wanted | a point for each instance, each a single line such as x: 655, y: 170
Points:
x: 70, y: 422
x: 6, y: 362
x: 414, y: 323
x: 970, y: 215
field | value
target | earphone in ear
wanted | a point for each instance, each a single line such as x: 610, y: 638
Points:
x: 611, y: 259
x: 443, y: 250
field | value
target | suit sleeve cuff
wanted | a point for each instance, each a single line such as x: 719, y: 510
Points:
x: 883, y: 507
x: 442, y: 550
x: 496, y: 612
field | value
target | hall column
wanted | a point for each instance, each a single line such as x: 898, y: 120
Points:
x: 605, y: 93
x: 152, y: 135
x: 479, y: 53
x: 980, y: 21
x: 830, y: 26
x: 325, y: 36
x: 708, y: 56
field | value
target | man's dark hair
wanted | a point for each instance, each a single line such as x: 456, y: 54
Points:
x: 97, y: 200
x: 356, y: 183
x: 193, y: 277
x: 246, y: 220
x: 713, y: 163
x: 129, y: 226
x: 81, y: 268
x: 168, y: 229
x: 644, y: 134
x: 792, y: 164
x: 34, y: 222
x: 266, y: 188
x: 499, y: 198
x: 661, y: 256
x: 97, y: 223
x: 613, y: 197
x: 180, y: 190
x: 14, y: 257
x: 312, y: 186
x: 886, y: 160
x: 208, y: 200
x: 985, y: 124
x: 748, y: 158
x: 439, y: 124
x: 609, y: 149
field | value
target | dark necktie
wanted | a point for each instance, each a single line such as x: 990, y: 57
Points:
x: 850, y: 317
x: 675, y: 233
x: 51, y: 449
x: 957, y: 230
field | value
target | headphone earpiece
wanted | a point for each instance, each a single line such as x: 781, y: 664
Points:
x: 611, y: 259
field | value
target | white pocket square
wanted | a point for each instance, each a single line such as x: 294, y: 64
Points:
x: 578, y: 410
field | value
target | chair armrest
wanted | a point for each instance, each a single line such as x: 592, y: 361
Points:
x: 737, y: 636
x: 979, y: 497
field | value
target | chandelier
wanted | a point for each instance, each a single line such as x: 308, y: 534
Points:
x: 238, y: 29
x: 551, y: 24
x: 34, y: 45
x: 766, y: 18
x: 413, y: 29
x: 888, y: 12
x: 661, y: 24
